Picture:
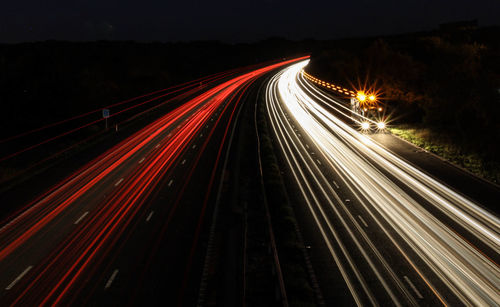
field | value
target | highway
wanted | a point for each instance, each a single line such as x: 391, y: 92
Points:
x: 127, y: 226
x: 391, y: 233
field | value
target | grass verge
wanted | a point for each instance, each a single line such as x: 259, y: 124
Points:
x: 443, y: 146
x: 290, y: 247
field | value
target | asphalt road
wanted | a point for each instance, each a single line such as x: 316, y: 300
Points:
x: 380, y: 228
x: 129, y: 226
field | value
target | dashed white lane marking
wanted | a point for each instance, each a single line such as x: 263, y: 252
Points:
x: 206, y: 126
x: 201, y: 135
x: 307, y: 146
x: 81, y: 218
x: 142, y: 160
x: 362, y: 221
x: 170, y: 182
x: 183, y: 162
x: 298, y: 134
x: 18, y: 278
x: 110, y: 280
x: 119, y: 181
x: 319, y: 162
x: 413, y: 287
x: 158, y: 145
x: 336, y: 185
x: 149, y: 216
x: 194, y: 146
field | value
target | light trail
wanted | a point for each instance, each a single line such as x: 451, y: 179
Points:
x: 472, y: 276
x: 119, y: 183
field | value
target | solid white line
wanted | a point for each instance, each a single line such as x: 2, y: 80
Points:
x: 183, y: 161
x: 18, y: 278
x: 170, y: 182
x: 142, y: 160
x: 413, y: 287
x: 119, y: 181
x: 149, y: 216
x: 336, y: 185
x: 81, y: 217
x: 362, y: 221
x: 110, y: 280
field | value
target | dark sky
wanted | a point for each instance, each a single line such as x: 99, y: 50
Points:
x: 231, y: 21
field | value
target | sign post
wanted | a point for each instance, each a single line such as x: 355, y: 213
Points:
x: 105, y: 115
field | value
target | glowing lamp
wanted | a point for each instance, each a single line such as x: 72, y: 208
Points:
x: 361, y: 96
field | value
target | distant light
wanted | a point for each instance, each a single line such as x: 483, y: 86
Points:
x: 379, y: 109
x: 372, y: 97
x: 381, y: 125
x: 361, y: 96
x: 365, y: 125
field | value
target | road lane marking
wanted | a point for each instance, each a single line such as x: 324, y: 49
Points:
x: 119, y: 181
x: 347, y: 200
x: 183, y: 161
x: 158, y: 145
x: 110, y: 280
x: 170, y: 182
x: 194, y: 146
x: 142, y: 160
x: 307, y: 146
x: 298, y: 134
x: 413, y: 287
x: 81, y: 218
x: 336, y: 185
x: 149, y: 216
x: 362, y: 221
x: 319, y: 162
x: 18, y: 278
x: 201, y: 135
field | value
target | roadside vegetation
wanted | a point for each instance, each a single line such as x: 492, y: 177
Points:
x: 443, y: 146
x: 447, y: 81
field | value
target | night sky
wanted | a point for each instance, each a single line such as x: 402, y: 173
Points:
x: 230, y: 21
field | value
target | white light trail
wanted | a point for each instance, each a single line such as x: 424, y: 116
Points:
x: 468, y: 273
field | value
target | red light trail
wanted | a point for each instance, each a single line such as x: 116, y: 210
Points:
x: 118, y: 184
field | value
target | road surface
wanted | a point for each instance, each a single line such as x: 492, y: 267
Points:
x: 386, y: 232
x: 126, y: 227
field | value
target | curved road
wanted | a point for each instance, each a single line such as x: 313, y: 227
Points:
x: 394, y: 234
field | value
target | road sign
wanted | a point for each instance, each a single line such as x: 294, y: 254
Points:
x: 105, y: 113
